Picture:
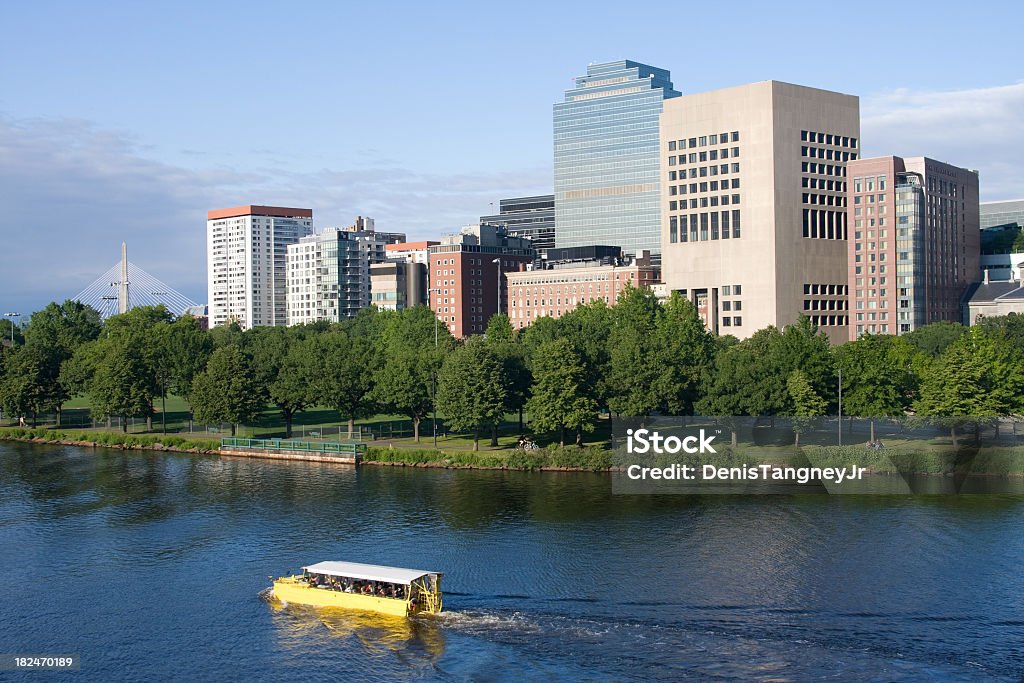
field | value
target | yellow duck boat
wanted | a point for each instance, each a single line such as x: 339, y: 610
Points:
x: 369, y: 587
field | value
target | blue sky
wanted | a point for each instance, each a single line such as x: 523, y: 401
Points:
x: 129, y: 120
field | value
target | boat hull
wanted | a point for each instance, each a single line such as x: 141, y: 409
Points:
x: 291, y: 591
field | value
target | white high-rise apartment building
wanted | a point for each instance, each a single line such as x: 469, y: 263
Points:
x: 246, y: 251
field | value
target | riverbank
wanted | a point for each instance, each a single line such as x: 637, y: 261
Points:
x: 991, y: 461
x: 555, y: 458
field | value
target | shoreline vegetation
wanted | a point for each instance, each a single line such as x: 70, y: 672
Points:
x: 998, y: 461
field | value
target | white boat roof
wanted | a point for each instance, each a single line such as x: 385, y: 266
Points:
x: 367, y: 572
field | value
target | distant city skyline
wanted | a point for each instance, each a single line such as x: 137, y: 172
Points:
x: 128, y: 122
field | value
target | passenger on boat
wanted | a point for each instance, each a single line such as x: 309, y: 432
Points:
x: 368, y: 589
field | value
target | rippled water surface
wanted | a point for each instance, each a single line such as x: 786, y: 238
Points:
x: 151, y: 565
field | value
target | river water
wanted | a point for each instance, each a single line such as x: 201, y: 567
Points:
x: 150, y: 566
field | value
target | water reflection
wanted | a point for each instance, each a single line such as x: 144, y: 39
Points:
x: 413, y: 639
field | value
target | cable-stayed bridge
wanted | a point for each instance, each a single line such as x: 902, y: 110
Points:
x: 126, y: 286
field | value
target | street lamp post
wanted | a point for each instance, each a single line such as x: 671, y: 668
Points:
x: 13, y: 315
x: 497, y: 311
x: 433, y: 375
x: 840, y: 405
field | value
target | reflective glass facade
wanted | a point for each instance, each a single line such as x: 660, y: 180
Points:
x: 607, y: 157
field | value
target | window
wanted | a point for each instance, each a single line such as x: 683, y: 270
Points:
x: 736, y: 231
x: 737, y: 321
x: 726, y: 305
x: 671, y: 145
x: 735, y: 136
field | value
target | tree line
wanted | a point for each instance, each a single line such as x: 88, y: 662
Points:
x: 638, y: 358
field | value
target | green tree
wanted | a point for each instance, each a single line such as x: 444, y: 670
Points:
x: 957, y: 388
x: 502, y: 340
x: 227, y: 391
x: 685, y: 350
x: 934, y: 338
x: 634, y: 373
x: 743, y: 381
x: 345, y: 362
x: 28, y: 386
x: 63, y: 327
x: 9, y: 332
x: 876, y: 377
x: 588, y: 328
x: 58, y: 331
x: 414, y: 348
x: 802, y: 346
x: 806, y: 402
x: 122, y: 383
x: 188, y: 350
x: 471, y: 390
x: 560, y: 396
x: 291, y: 391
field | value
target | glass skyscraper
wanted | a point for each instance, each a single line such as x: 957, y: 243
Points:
x: 607, y: 157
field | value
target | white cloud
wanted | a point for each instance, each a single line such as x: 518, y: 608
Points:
x: 979, y: 128
x: 71, y: 191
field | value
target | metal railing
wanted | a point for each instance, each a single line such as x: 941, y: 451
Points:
x: 324, y: 447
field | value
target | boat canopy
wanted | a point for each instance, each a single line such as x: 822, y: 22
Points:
x: 368, y: 572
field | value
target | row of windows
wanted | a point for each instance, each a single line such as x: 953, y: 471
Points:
x: 826, y: 290
x: 826, y: 304
x: 823, y: 184
x: 732, y: 305
x: 829, y: 154
x: 828, y: 139
x: 704, y: 226
x: 868, y: 198
x: 823, y: 199
x: 824, y: 224
x: 705, y: 186
x: 704, y: 171
x: 702, y: 157
x: 703, y: 202
x: 704, y: 140
x: 735, y: 321
x: 829, y: 320
x: 869, y: 183
x: 822, y: 169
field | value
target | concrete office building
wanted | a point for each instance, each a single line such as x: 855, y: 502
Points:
x: 467, y: 275
x: 530, y: 217
x: 246, y: 253
x: 754, y: 204
x: 606, y: 157
x: 568, y: 280
x: 914, y: 246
